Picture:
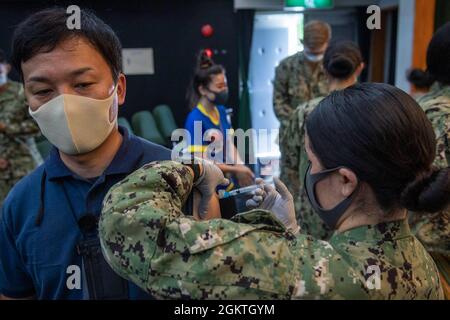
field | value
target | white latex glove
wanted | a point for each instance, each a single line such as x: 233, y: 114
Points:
x: 278, y: 200
x: 206, y: 184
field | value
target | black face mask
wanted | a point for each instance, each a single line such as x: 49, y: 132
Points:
x: 332, y: 216
x: 220, y: 98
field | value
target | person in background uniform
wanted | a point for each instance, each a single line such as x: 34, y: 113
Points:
x: 434, y: 229
x: 16, y: 127
x: 49, y: 245
x: 301, y: 77
x: 361, y: 182
x: 208, y: 95
x: 343, y: 64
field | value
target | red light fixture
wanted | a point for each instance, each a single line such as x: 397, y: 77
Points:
x: 207, y: 30
x: 209, y: 52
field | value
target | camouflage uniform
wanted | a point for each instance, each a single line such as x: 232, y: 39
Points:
x: 436, y: 105
x: 146, y: 238
x: 295, y: 166
x: 433, y: 230
x: 13, y: 146
x: 295, y: 83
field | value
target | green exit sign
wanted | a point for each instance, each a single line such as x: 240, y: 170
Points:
x: 313, y: 4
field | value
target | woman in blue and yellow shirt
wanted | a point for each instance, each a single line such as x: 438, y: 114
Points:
x: 207, y: 122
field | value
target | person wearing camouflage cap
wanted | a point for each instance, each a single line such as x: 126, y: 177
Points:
x: 352, y: 182
x: 301, y: 77
x: 16, y: 129
x: 343, y: 63
x: 433, y: 230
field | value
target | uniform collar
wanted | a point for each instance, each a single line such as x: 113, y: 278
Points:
x: 125, y: 161
x: 301, y: 56
x: 202, y: 109
x: 437, y: 86
x: 318, y: 71
x: 386, y: 231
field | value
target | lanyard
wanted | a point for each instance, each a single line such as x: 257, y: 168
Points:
x: 86, y: 223
x: 95, y: 267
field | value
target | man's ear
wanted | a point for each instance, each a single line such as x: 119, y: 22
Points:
x: 349, y: 181
x: 121, y: 89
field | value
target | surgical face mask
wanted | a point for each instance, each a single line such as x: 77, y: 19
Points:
x: 220, y: 98
x: 313, y: 57
x: 76, y: 124
x: 331, y: 216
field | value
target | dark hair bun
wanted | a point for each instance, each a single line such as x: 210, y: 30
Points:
x: 340, y: 66
x: 420, y: 78
x: 429, y: 192
x: 341, y: 59
x: 204, y: 61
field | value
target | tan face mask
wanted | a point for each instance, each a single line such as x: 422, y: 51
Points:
x: 76, y: 124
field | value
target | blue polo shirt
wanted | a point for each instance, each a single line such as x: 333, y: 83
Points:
x: 41, y: 260
x: 199, y: 114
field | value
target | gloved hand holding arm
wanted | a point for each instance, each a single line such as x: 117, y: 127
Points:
x: 210, y: 177
x: 278, y: 200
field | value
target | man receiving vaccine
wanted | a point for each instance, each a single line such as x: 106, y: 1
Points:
x: 74, y: 85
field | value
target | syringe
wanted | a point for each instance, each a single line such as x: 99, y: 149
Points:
x: 226, y: 194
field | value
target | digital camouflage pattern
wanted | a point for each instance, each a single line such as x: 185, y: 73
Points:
x: 18, y: 126
x: 295, y: 83
x: 292, y: 145
x: 147, y: 239
x: 436, y: 105
x: 433, y: 230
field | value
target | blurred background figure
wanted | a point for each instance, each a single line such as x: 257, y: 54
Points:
x: 208, y: 95
x: 300, y: 77
x: 343, y: 63
x: 433, y: 230
x: 16, y: 129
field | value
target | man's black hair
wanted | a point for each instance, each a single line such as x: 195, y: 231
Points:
x: 46, y: 29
